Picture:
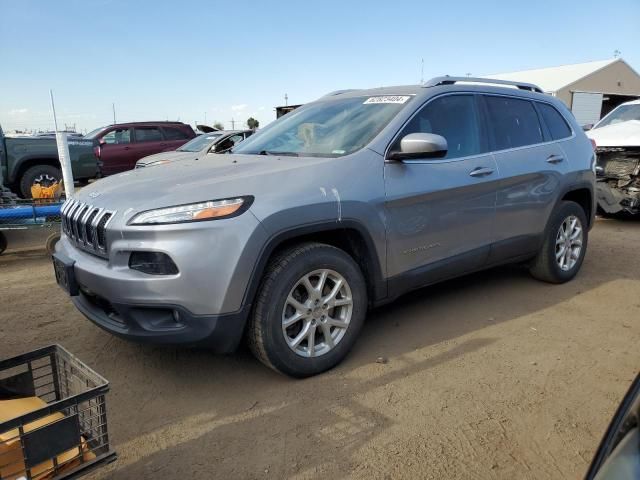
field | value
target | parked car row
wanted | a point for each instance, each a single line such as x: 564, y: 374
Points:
x: 29, y: 161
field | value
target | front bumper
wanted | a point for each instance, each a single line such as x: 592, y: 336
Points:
x: 203, y: 304
x: 165, y: 324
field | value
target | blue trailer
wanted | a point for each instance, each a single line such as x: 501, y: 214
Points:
x: 23, y: 215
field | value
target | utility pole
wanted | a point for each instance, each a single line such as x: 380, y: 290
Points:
x: 205, y: 118
x: 233, y: 124
x: 113, y: 106
x: 286, y: 100
x: 422, y: 73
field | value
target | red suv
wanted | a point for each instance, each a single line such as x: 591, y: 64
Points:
x: 119, y: 147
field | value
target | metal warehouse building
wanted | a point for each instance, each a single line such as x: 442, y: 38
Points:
x: 590, y: 90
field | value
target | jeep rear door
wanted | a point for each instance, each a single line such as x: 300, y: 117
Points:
x: 532, y: 167
x: 441, y: 211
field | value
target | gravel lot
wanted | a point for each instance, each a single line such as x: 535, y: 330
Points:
x: 493, y: 375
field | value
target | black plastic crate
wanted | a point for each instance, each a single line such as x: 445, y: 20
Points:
x: 67, y: 434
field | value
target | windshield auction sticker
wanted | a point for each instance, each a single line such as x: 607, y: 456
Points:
x: 387, y: 99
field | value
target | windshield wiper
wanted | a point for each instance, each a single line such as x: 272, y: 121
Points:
x: 287, y: 154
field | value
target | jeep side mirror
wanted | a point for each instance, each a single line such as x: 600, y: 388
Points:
x: 587, y: 127
x: 420, y: 145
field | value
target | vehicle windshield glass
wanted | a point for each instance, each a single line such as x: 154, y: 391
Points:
x: 327, y: 129
x: 199, y: 143
x: 92, y: 134
x: 623, y: 113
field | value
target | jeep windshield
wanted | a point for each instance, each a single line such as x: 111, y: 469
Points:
x: 623, y: 113
x: 326, y: 129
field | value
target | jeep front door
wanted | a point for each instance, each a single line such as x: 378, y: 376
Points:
x: 441, y: 211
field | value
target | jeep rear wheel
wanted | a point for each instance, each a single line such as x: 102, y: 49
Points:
x: 44, y: 175
x: 565, y: 245
x: 309, y: 310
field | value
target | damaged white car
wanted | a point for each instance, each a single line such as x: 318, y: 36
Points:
x: 617, y: 143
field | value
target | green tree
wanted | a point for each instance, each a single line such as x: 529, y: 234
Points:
x: 218, y: 125
x: 252, y: 123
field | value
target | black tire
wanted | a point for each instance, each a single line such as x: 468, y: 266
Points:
x: 37, y: 174
x: 50, y: 244
x: 3, y: 243
x: 545, y: 267
x: 265, y: 335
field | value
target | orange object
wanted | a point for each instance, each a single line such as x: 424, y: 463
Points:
x: 40, y: 192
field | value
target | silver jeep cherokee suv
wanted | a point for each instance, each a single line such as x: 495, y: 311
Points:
x: 339, y: 206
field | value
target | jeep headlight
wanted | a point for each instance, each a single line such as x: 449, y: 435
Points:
x: 193, y: 212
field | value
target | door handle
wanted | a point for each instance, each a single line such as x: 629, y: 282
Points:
x: 555, y: 159
x: 480, y: 172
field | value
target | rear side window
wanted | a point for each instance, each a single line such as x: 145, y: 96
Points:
x: 174, y: 134
x: 454, y: 117
x: 513, y: 122
x: 556, y: 124
x: 148, y: 134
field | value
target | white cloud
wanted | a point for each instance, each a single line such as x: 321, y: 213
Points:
x: 17, y: 111
x: 239, y: 108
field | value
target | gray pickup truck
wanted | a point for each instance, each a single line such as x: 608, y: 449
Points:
x: 26, y: 161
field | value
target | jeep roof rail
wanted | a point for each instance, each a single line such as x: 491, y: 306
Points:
x: 339, y: 92
x: 447, y: 80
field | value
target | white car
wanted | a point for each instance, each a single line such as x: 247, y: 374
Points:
x: 617, y: 142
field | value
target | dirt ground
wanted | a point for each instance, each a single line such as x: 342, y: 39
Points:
x: 490, y: 376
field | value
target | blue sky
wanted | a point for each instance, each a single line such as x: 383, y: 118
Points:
x: 178, y: 60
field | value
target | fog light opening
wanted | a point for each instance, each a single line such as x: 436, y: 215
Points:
x: 152, y: 263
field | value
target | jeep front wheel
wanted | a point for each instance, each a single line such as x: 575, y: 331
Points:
x: 309, y: 310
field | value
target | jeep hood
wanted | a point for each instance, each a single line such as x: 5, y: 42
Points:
x: 217, y: 177
x: 624, y: 134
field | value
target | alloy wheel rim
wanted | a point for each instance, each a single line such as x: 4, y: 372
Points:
x: 317, y: 313
x: 569, y: 243
x: 44, y: 180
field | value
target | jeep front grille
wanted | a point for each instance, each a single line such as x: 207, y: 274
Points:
x: 86, y: 225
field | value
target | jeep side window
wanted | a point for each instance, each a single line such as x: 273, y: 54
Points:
x: 117, y: 136
x: 455, y: 118
x: 556, y: 124
x: 513, y: 122
x: 148, y: 134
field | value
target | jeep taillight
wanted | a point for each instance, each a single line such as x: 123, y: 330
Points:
x: 96, y: 151
x: 593, y: 144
